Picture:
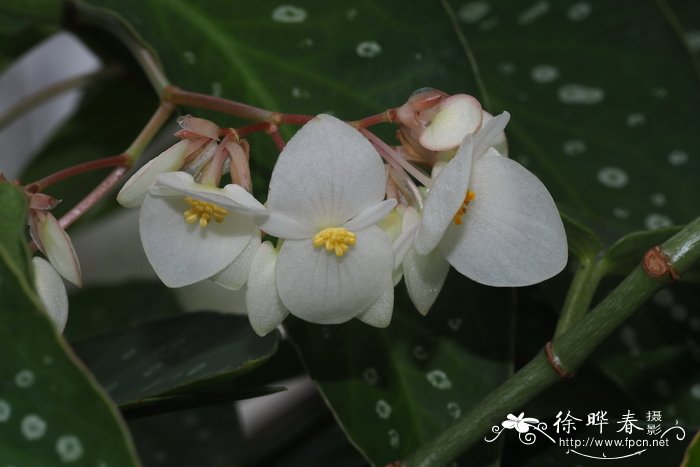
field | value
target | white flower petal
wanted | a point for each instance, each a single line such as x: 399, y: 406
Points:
x: 490, y: 134
x: 457, y: 117
x: 444, y: 199
x: 371, y: 215
x: 424, y: 276
x: 280, y: 226
x: 500, y: 143
x: 181, y: 253
x: 51, y: 292
x: 511, y: 234
x: 234, y: 276
x: 134, y: 190
x: 404, y: 242
x: 327, y: 174
x: 265, y: 309
x: 320, y: 287
x: 379, y: 314
x: 230, y: 197
x: 59, y: 249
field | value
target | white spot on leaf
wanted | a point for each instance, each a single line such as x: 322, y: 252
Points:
x: 621, y: 213
x: 128, y: 354
x: 574, y: 147
x: 69, y: 448
x: 677, y: 157
x: 656, y: 221
x: 197, y: 368
x: 350, y: 14
x: 299, y: 93
x: 663, y: 298
x: 454, y: 410
x: 420, y: 353
x: 394, y: 439
x: 544, y: 73
x: 579, y: 11
x: 659, y: 93
x: 613, y: 177
x: 658, y: 199
x: 535, y: 11
x: 580, y: 94
x: 5, y: 411
x: 679, y: 312
x: 370, y: 376
x: 383, y: 409
x: 25, y: 379
x: 189, y: 57
x: 217, y: 89
x: 454, y: 323
x: 695, y: 391
x: 693, y: 40
x: 636, y: 119
x: 506, y: 68
x: 473, y: 12
x: 288, y: 14
x: 150, y: 371
x: 439, y: 380
x: 368, y: 49
x: 33, y: 427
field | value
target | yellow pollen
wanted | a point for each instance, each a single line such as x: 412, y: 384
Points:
x: 203, y: 212
x: 461, y: 211
x: 337, y: 239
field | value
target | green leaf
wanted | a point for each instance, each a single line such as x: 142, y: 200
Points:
x: 628, y: 252
x: 584, y: 82
x: 393, y: 389
x: 202, y: 437
x: 13, y: 205
x: 692, y: 454
x: 183, y: 361
x: 583, y: 242
x: 51, y: 412
x: 100, y: 309
x: 43, y: 11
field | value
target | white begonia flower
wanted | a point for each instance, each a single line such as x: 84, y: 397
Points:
x: 51, y: 292
x: 192, y: 231
x: 134, y: 190
x: 326, y: 197
x: 492, y: 219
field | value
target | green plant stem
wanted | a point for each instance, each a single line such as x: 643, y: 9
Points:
x: 578, y: 299
x: 569, y: 351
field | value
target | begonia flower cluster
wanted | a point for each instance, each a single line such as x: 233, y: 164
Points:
x: 346, y: 217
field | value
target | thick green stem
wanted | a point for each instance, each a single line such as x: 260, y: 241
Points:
x: 568, y: 352
x: 578, y: 299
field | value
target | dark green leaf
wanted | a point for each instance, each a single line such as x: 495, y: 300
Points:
x: 13, y: 210
x: 202, y: 437
x: 692, y: 455
x: 585, y: 82
x: 43, y: 11
x: 100, y: 309
x: 183, y: 361
x: 51, y: 412
x: 583, y: 243
x: 393, y: 389
x: 628, y: 252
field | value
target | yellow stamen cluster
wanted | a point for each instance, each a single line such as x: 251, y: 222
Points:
x: 203, y: 212
x: 467, y: 199
x: 338, y: 239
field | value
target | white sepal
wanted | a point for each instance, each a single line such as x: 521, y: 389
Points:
x: 265, y: 309
x: 51, y: 292
x: 134, y: 190
x: 424, y: 276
